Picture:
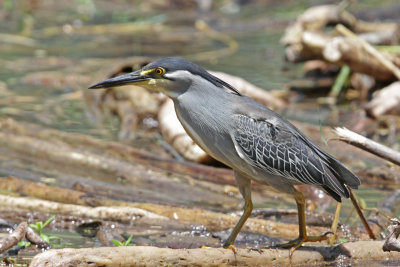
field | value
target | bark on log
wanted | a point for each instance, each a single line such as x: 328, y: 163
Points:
x: 152, y: 256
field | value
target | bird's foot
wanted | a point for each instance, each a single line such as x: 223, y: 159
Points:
x: 298, y: 242
x: 231, y: 247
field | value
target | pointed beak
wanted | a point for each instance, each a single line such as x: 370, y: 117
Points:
x: 131, y: 78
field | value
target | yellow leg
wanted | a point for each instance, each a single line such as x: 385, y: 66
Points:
x: 303, y: 237
x: 245, y: 189
x: 248, y: 207
x: 335, y: 223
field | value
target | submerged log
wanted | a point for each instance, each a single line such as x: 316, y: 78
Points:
x: 151, y: 256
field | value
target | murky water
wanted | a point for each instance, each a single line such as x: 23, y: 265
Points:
x: 64, y: 60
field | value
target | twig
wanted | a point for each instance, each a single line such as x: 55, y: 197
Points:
x: 361, y: 215
x: 367, y: 144
x: 370, y: 49
x: 34, y: 238
x: 11, y: 240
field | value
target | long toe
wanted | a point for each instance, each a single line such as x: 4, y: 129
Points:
x: 298, y: 242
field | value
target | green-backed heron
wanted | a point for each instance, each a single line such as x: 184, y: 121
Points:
x: 257, y: 143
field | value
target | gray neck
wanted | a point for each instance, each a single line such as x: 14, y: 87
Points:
x: 206, y: 115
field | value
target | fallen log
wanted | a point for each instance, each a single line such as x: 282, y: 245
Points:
x: 53, y: 193
x: 125, y: 214
x: 161, y: 214
x: 362, y: 251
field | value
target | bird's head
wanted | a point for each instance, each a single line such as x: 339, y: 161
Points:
x: 171, y: 76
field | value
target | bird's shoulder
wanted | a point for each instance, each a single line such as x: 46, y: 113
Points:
x: 252, y: 113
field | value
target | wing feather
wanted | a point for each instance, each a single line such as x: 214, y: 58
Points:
x: 280, y: 151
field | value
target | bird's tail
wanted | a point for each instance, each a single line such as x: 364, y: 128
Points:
x: 339, y: 178
x: 343, y: 174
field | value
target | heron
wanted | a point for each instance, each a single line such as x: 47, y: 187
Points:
x: 253, y: 140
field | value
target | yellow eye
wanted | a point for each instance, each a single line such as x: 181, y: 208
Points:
x: 160, y: 71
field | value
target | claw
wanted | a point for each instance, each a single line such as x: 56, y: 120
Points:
x: 231, y: 247
x: 298, y: 242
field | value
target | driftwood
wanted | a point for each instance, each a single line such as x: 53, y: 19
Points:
x: 12, y: 239
x: 125, y: 214
x: 21, y: 231
x: 339, y: 51
x: 152, y: 256
x: 371, y: 50
x: 86, y: 156
x: 391, y: 241
x: 305, y: 40
x: 53, y: 193
x: 388, y: 208
x: 125, y: 211
x: 368, y: 145
x: 385, y: 101
x: 316, y: 18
